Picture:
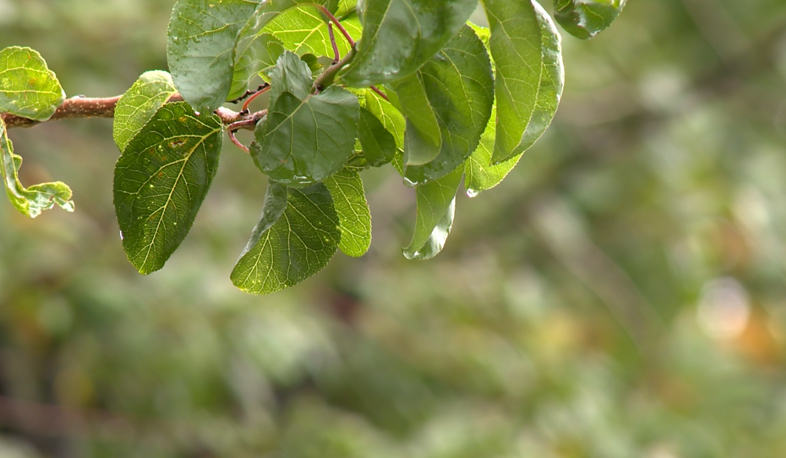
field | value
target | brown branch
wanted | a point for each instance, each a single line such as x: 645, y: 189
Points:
x: 87, y: 107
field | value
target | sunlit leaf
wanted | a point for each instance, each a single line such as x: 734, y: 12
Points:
x: 459, y: 85
x: 295, y: 238
x: 200, y: 40
x: 37, y: 198
x: 354, y: 217
x: 586, y: 18
x: 304, y: 30
x: 161, y: 179
x: 27, y: 87
x: 139, y: 104
x: 399, y: 36
x: 390, y: 116
x: 436, y: 204
x: 515, y: 45
x: 480, y: 173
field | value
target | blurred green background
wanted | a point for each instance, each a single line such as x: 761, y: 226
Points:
x: 621, y: 294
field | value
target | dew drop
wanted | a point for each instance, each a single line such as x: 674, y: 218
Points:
x: 472, y: 192
x: 121, y: 235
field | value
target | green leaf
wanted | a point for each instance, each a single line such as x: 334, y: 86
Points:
x: 200, y: 41
x: 399, y: 36
x: 436, y: 203
x: 295, y: 238
x: 423, y: 137
x: 161, y: 179
x: 292, y: 75
x: 515, y: 45
x: 139, y: 104
x: 378, y: 144
x: 480, y: 173
x: 459, y: 85
x: 37, y: 198
x: 354, y: 217
x: 586, y: 18
x: 389, y: 115
x: 27, y: 87
x: 304, y: 141
x: 259, y: 55
x: 304, y: 30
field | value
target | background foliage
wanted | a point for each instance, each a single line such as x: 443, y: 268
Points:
x: 620, y: 294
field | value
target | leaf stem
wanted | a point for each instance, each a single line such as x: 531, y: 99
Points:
x: 256, y: 94
x: 335, y: 21
x: 333, y: 42
x: 326, y: 78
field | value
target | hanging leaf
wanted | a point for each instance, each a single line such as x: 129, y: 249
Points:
x: 480, y: 173
x: 459, y: 85
x: 161, y: 179
x: 378, y: 144
x: 586, y: 18
x: 399, y: 36
x: 436, y: 204
x: 200, y: 40
x: 423, y: 136
x: 27, y: 87
x: 37, y: 198
x: 515, y: 45
x: 354, y: 217
x: 139, y: 104
x: 295, y: 238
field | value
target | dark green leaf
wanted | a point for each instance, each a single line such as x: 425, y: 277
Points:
x: 139, y: 104
x: 161, y: 179
x: 349, y: 200
x: 302, y: 142
x: 259, y: 55
x: 378, y: 144
x: 200, y: 40
x: 290, y: 75
x: 27, y: 87
x: 586, y: 18
x: 515, y: 45
x: 295, y: 238
x: 436, y: 203
x: 399, y: 36
x: 423, y: 137
x: 37, y: 198
x: 459, y: 86
x: 481, y: 174
x: 389, y: 115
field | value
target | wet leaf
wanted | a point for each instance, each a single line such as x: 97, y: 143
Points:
x: 399, y: 36
x: 586, y: 18
x: 295, y: 238
x: 139, y: 104
x: 354, y: 217
x: 378, y: 144
x: 27, y: 87
x: 423, y: 137
x: 37, y: 198
x: 161, y: 179
x: 436, y: 204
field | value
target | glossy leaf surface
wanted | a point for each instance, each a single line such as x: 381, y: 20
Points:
x: 37, y: 198
x: 27, y: 87
x: 303, y: 142
x: 200, y: 41
x: 390, y: 117
x: 515, y: 45
x: 459, y: 85
x: 354, y: 217
x: 480, y: 173
x: 423, y: 136
x: 399, y: 36
x: 586, y: 18
x: 295, y: 238
x: 378, y: 144
x: 436, y: 204
x: 161, y: 179
x: 139, y: 104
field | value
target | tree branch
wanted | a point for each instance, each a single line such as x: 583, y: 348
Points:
x: 87, y: 107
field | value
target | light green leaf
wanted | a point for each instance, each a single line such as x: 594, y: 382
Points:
x: 378, y: 144
x: 139, y: 104
x: 354, y: 217
x: 480, y: 173
x: 515, y: 45
x: 423, y: 137
x: 459, y: 86
x: 586, y: 18
x: 436, y: 203
x: 200, y: 40
x: 37, y: 198
x: 304, y: 30
x: 399, y: 36
x: 388, y: 114
x: 161, y: 179
x: 302, y: 142
x: 295, y: 238
x: 27, y: 87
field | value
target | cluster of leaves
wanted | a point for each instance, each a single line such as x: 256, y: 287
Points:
x: 412, y: 83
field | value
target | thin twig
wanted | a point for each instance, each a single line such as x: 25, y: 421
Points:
x: 260, y: 91
x: 333, y: 42
x: 338, y: 24
x: 237, y: 142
